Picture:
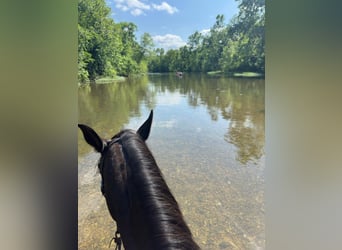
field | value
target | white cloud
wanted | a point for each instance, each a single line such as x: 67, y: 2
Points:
x: 136, y: 4
x: 168, y: 41
x: 137, y: 12
x: 165, y: 6
x: 122, y: 7
x: 137, y: 7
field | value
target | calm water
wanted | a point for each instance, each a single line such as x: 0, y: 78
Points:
x: 208, y: 139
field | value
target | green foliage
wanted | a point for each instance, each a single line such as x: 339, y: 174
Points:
x: 235, y: 47
x: 245, y: 50
x: 106, y: 49
x: 143, y: 66
x: 147, y: 45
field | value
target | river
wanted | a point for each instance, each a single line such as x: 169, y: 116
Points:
x: 208, y: 139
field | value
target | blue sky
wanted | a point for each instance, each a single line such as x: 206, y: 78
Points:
x: 171, y: 22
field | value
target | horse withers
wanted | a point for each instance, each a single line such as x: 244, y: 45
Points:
x: 146, y: 213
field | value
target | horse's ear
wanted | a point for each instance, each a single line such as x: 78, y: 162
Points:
x: 92, y: 138
x: 144, y: 130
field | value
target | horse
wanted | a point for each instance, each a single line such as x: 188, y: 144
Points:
x: 146, y: 213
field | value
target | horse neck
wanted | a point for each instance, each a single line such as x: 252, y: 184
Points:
x: 133, y: 226
x: 156, y: 221
x: 133, y: 236
x: 134, y: 232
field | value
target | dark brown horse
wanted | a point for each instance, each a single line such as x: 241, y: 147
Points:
x: 137, y: 196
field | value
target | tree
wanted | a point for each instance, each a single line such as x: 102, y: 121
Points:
x: 92, y: 26
x: 104, y: 47
x: 195, y: 43
x: 233, y: 47
x: 127, y: 63
x: 245, y: 49
x: 147, y: 45
x: 145, y: 52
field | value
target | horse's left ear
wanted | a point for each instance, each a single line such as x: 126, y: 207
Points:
x: 92, y: 138
x: 144, y: 130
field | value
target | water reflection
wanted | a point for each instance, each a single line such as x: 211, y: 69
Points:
x: 206, y: 134
x: 239, y: 101
x: 106, y: 107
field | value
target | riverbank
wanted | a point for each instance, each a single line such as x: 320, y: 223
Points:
x: 105, y: 80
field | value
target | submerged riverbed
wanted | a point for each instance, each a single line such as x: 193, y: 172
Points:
x: 208, y: 139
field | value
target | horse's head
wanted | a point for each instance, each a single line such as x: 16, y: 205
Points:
x: 113, y: 166
x: 137, y: 196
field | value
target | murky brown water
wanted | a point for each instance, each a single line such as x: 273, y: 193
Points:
x: 208, y: 139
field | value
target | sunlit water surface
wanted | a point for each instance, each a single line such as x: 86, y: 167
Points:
x: 207, y: 138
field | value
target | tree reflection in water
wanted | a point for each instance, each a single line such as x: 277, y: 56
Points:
x: 237, y: 100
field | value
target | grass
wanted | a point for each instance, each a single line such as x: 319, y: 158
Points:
x: 104, y: 80
x: 236, y: 74
x: 247, y: 74
x: 218, y: 72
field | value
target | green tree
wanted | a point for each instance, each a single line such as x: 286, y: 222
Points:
x: 104, y: 47
x: 84, y: 57
x: 127, y: 64
x: 195, y: 42
x: 93, y: 24
x: 217, y: 40
x: 147, y: 45
x: 158, y: 62
x: 145, y: 52
x: 245, y: 49
x: 233, y: 47
x: 172, y: 59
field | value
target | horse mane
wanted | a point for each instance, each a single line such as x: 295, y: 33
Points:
x: 166, y: 222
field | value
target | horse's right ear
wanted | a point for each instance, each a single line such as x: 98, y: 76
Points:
x: 92, y: 138
x: 144, y: 130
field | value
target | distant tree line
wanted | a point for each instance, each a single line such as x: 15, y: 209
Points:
x: 106, y: 48
x: 235, y: 47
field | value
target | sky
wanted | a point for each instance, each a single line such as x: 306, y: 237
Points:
x: 171, y: 22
